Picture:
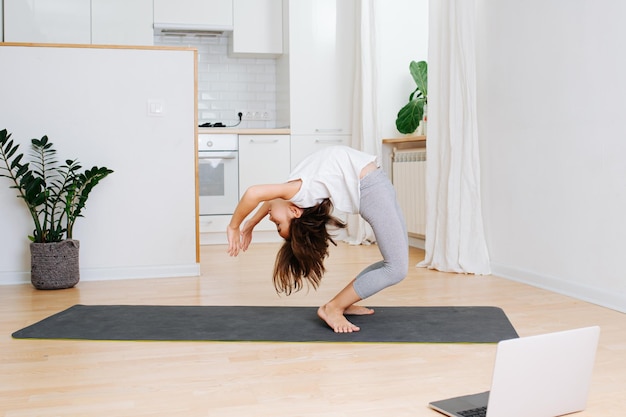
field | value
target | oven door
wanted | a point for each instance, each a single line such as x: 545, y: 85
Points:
x: 218, y: 177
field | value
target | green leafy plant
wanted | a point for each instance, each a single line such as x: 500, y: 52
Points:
x: 412, y: 113
x: 54, y: 194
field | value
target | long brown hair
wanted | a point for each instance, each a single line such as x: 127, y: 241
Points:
x: 302, y: 255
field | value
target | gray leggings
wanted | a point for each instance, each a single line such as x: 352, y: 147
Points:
x: 379, y: 207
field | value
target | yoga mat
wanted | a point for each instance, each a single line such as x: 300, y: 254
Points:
x: 286, y: 324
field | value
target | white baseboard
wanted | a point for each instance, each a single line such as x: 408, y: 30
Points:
x: 417, y: 242
x: 12, y: 278
x: 582, y: 292
x: 110, y: 274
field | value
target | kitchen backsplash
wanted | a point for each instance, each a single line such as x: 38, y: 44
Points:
x: 228, y: 85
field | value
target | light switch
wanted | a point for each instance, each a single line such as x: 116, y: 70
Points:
x: 156, y: 108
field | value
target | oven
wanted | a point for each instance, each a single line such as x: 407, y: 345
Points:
x: 218, y: 173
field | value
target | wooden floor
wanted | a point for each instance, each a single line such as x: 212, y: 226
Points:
x: 84, y: 378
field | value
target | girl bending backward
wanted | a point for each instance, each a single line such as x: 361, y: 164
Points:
x: 335, y: 177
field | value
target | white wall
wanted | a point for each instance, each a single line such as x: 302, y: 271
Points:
x: 93, y: 105
x: 551, y: 108
x: 402, y: 30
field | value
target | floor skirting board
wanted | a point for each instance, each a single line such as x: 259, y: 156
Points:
x: 416, y: 242
x: 593, y: 295
x: 107, y: 274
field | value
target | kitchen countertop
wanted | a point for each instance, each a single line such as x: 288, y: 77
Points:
x: 243, y: 131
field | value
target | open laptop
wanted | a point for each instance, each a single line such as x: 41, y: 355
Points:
x: 538, y: 376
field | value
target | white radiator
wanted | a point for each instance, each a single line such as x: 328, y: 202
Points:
x: 409, y: 180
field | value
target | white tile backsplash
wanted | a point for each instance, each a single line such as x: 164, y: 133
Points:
x: 227, y: 85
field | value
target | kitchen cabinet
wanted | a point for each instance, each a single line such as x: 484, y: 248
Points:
x: 111, y: 22
x: 187, y: 13
x: 213, y: 229
x: 263, y: 159
x: 257, y: 28
x: 304, y: 145
x: 321, y: 63
x: 122, y: 22
x: 47, y: 21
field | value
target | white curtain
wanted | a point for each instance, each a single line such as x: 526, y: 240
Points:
x: 455, y: 240
x: 365, y: 127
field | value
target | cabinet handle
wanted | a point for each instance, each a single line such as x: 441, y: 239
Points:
x: 329, y: 130
x: 329, y: 140
x: 216, y: 155
x: 262, y: 141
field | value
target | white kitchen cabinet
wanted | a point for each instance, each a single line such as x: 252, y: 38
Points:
x: 321, y: 41
x: 47, y: 21
x: 304, y: 145
x: 257, y: 28
x: 122, y: 22
x: 112, y: 22
x: 215, y: 13
x: 213, y: 229
x: 263, y: 159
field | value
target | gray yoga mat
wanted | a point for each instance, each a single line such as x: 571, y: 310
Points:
x: 285, y: 324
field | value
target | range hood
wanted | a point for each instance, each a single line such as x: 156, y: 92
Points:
x: 179, y: 29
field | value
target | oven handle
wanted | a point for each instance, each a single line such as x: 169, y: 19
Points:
x: 203, y: 155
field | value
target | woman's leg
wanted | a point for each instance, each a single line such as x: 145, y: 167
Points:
x: 380, y: 209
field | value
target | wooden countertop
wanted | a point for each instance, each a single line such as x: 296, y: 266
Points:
x: 405, y: 139
x: 242, y: 131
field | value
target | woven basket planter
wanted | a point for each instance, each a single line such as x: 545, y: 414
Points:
x: 55, y: 265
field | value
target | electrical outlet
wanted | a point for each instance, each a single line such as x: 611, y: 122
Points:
x: 255, y: 114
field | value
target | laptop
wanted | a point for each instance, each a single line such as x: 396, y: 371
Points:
x: 538, y: 376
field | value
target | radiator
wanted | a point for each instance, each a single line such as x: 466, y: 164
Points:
x: 409, y: 180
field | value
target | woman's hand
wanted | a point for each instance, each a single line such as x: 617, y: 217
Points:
x: 234, y: 240
x: 246, y: 235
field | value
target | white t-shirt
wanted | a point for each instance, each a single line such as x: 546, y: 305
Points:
x: 332, y: 172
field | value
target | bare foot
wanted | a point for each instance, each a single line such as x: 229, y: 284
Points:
x: 355, y: 310
x: 336, y: 320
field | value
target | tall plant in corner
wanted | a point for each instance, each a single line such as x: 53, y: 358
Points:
x: 410, y: 116
x: 55, y: 195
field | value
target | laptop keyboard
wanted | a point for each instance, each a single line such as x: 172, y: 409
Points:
x: 474, y: 412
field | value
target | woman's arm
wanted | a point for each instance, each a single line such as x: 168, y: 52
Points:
x: 249, y: 201
x: 259, y: 193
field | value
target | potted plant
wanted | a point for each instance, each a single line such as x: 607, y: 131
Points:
x: 55, y: 195
x: 410, y: 116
